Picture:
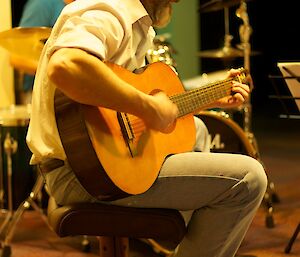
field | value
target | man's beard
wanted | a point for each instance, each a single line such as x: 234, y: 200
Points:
x: 159, y: 11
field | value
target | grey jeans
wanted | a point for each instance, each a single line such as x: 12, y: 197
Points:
x: 221, y: 192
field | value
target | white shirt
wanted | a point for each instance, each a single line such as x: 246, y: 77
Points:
x: 117, y: 31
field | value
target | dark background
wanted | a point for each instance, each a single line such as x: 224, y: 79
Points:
x: 275, y: 37
x: 17, y: 7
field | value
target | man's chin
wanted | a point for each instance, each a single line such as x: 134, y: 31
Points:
x: 162, y: 22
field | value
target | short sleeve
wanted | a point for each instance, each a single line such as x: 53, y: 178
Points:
x: 97, y: 32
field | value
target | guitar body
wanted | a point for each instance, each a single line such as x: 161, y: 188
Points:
x: 131, y: 163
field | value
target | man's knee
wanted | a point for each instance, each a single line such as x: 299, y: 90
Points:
x: 257, y: 179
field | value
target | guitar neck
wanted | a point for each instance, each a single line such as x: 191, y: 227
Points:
x: 190, y: 101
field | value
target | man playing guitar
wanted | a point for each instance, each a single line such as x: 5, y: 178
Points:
x: 133, y: 120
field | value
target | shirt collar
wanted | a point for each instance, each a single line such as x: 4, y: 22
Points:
x: 138, y: 12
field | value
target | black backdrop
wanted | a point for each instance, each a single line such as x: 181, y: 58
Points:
x: 275, y: 36
x: 17, y: 7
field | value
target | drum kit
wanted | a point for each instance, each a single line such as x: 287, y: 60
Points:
x: 20, y: 185
x: 27, y: 45
x: 17, y: 177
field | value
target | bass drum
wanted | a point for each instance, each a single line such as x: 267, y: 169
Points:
x: 225, y: 135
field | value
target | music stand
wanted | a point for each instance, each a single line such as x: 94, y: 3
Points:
x: 291, y: 77
x: 287, y: 89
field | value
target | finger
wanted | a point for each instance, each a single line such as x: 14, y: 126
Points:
x: 241, y: 92
x: 233, y: 72
x: 238, y: 98
x: 244, y: 86
x: 241, y: 89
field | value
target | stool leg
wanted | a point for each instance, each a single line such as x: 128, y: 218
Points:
x: 122, y: 246
x: 113, y: 246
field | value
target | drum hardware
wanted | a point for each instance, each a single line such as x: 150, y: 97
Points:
x: 245, y: 32
x: 14, y: 120
x: 270, y: 196
x: 216, y: 5
x: 274, y: 196
x: 13, y: 220
x: 270, y: 219
x: 227, y: 51
x: 31, y: 201
x: 10, y: 147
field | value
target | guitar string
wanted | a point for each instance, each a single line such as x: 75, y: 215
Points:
x: 197, y: 92
x: 207, y: 87
x: 191, y: 101
x: 188, y: 101
x: 186, y: 104
x: 203, y: 92
x: 202, y: 89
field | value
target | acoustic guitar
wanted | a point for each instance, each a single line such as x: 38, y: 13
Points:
x: 113, y: 154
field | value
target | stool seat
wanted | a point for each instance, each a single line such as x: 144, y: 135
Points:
x: 105, y: 220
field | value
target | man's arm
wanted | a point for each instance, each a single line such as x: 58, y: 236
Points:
x: 86, y: 79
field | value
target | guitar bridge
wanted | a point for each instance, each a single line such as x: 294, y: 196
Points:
x: 127, y: 132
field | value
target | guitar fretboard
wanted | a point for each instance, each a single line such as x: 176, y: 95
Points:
x: 190, y: 101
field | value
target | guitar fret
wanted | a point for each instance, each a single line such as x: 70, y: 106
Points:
x: 192, y: 100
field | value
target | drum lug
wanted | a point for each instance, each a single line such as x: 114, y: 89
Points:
x: 10, y: 144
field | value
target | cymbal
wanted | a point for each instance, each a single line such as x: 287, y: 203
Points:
x: 225, y: 52
x: 25, y: 42
x: 216, y: 5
